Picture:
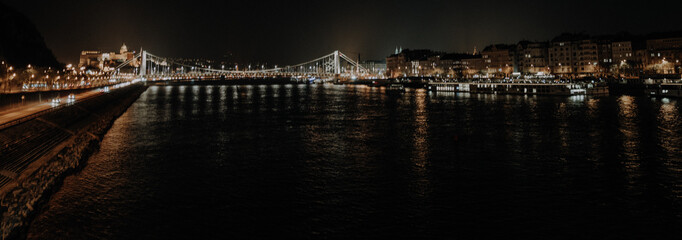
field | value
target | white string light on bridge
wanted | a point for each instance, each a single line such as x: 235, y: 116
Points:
x: 336, y: 64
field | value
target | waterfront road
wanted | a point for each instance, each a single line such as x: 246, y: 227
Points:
x: 19, y: 112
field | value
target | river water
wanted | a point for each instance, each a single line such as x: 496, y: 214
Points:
x: 354, y: 162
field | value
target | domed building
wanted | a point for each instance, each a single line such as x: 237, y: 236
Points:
x: 105, y: 61
x: 124, y: 49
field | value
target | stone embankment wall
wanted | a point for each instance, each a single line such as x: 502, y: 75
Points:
x: 23, y: 196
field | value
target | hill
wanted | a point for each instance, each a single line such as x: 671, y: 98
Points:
x: 20, y: 42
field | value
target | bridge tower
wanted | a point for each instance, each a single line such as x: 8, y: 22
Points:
x: 337, y: 63
x: 143, y: 65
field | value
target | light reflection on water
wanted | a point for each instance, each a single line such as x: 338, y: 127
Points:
x: 670, y: 126
x: 629, y: 129
x: 340, y: 162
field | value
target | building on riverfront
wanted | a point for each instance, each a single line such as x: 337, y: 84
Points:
x: 375, y: 67
x: 409, y: 63
x: 531, y: 57
x: 568, y: 56
x: 663, y: 55
x: 574, y: 55
x: 498, y: 60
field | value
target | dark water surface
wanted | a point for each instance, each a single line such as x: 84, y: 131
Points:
x: 345, y: 162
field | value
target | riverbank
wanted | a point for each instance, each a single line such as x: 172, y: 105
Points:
x: 38, y: 154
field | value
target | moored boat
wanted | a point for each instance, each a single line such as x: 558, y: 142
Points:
x: 395, y: 87
x: 552, y: 88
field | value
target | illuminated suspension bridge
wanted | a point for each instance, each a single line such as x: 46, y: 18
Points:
x: 333, y: 66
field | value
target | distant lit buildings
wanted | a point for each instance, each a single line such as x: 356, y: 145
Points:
x: 407, y: 63
x: 449, y: 65
x: 622, y: 51
x: 375, y: 67
x: 663, y: 56
x: 473, y: 67
x: 498, y: 60
x: 604, y: 57
x: 566, y: 56
x: 532, y: 58
x: 105, y: 61
x: 574, y: 55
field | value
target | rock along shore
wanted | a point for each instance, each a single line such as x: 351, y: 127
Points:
x: 23, y: 198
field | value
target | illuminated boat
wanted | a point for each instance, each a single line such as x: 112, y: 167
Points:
x: 561, y: 89
x: 395, y: 87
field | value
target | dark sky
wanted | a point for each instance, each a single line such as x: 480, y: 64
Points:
x: 288, y: 32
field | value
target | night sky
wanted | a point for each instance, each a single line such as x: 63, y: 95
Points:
x: 288, y: 32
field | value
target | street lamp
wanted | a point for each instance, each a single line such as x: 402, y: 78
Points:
x: 6, y: 76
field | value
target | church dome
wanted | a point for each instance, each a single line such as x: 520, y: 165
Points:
x: 124, y: 49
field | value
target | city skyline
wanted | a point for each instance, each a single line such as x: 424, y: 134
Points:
x: 372, y: 29
x: 348, y: 119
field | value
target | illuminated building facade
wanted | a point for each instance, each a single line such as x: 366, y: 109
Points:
x: 105, y: 61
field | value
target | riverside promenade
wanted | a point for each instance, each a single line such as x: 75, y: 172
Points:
x: 36, y: 130
x: 17, y: 114
x: 49, y: 143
